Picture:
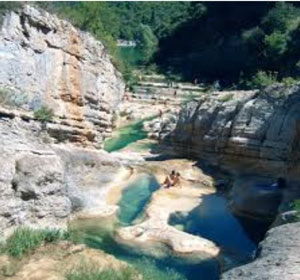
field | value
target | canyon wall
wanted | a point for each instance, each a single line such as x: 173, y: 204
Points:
x: 252, y: 130
x: 45, y: 61
x: 51, y: 170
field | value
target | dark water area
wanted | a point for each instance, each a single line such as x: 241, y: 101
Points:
x: 238, y: 237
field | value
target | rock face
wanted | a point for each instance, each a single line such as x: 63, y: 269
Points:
x: 278, y: 259
x: 253, y: 131
x: 50, y: 171
x: 42, y: 184
x: 46, y: 61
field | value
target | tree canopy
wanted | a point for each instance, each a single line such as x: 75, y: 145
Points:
x: 232, y: 42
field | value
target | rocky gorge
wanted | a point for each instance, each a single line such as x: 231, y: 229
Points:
x: 55, y: 171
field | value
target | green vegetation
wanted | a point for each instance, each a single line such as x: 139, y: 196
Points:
x: 24, y: 240
x: 149, y: 271
x: 261, y: 79
x: 296, y: 207
x: 89, y: 272
x: 11, y: 98
x: 44, y: 114
x: 254, y: 42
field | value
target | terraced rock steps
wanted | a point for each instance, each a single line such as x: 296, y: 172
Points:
x: 155, y: 88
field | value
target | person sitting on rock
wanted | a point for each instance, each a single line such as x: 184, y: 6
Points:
x: 169, y: 180
x: 177, y: 181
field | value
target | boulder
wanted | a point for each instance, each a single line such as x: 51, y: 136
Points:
x: 278, y: 259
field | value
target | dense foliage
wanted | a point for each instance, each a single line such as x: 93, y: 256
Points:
x: 246, y: 43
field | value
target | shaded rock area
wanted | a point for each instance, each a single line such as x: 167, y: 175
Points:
x: 278, y: 259
x: 46, y: 61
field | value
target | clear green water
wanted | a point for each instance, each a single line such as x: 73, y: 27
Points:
x: 126, y: 135
x: 155, y: 261
x: 135, y: 197
x: 211, y: 219
x: 131, y: 55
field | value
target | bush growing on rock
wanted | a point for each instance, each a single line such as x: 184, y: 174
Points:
x: 296, y: 207
x: 44, y: 114
x: 11, y: 98
x: 261, y: 79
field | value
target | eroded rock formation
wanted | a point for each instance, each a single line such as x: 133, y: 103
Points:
x: 49, y: 171
x: 42, y: 183
x: 249, y: 130
x: 47, y: 61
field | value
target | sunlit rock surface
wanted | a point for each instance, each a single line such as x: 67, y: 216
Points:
x: 155, y: 227
x: 46, y: 61
x: 250, y: 130
x: 50, y: 171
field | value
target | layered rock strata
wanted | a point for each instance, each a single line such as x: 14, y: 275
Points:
x: 252, y: 130
x: 51, y: 170
x: 45, y: 61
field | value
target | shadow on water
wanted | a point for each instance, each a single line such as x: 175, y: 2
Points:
x: 237, y: 236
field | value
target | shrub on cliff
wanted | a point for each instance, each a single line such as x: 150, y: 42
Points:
x: 44, y: 114
x: 261, y: 79
x: 296, y: 207
x: 11, y: 98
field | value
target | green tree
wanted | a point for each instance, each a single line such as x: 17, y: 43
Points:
x: 147, y: 42
x: 276, y: 44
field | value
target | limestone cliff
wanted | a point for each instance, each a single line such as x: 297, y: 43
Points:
x: 47, y: 61
x: 249, y: 130
x: 49, y: 172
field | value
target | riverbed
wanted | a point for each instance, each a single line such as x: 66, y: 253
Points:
x: 196, y: 210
